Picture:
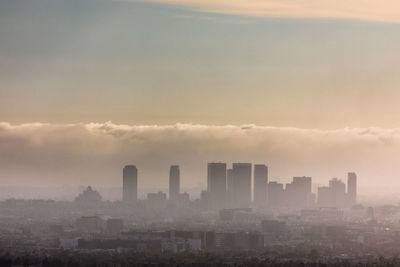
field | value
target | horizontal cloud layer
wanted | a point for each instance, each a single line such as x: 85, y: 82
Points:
x: 382, y: 10
x: 94, y: 153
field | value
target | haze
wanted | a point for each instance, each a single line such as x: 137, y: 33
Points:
x: 89, y: 86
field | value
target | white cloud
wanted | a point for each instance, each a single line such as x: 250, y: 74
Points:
x: 370, y: 10
x: 43, y: 154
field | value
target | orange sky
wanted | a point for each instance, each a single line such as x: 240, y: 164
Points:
x: 375, y: 10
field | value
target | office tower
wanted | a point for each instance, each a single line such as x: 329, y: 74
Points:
x: 334, y: 195
x: 241, y: 184
x: 129, y: 186
x: 352, y: 187
x: 338, y: 191
x: 260, y: 184
x: 229, y: 188
x: 325, y: 197
x: 174, y: 182
x: 298, y: 192
x: 229, y: 180
x: 216, y: 184
x: 275, y: 194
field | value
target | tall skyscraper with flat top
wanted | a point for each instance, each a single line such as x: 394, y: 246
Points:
x: 229, y: 189
x: 352, y: 187
x: 334, y: 195
x: 129, y: 183
x: 298, y: 192
x: 260, y: 184
x: 174, y: 182
x: 242, y: 184
x: 275, y: 196
x: 216, y: 183
x: 339, y: 192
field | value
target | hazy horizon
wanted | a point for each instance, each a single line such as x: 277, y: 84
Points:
x: 199, y: 133
x: 45, y: 154
x: 305, y: 87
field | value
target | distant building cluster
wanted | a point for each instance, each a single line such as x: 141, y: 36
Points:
x: 335, y: 195
x: 245, y: 185
x: 173, y: 241
x: 89, y: 195
x: 241, y: 212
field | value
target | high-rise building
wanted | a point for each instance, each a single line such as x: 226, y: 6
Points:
x: 129, y: 186
x: 298, y: 192
x: 325, y: 197
x: 352, y: 187
x: 339, y: 192
x: 229, y: 188
x: 174, y: 182
x: 241, y: 184
x: 334, y: 195
x: 260, y: 184
x: 275, y: 195
x: 229, y: 180
x: 216, y: 184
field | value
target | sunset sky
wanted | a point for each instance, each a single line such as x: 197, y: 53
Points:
x: 307, y: 87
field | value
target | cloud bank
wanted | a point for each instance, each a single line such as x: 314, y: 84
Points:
x: 382, y: 10
x: 94, y: 153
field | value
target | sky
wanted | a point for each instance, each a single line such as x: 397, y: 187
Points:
x: 87, y: 86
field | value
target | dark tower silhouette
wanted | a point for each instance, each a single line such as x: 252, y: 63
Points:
x: 260, y: 184
x: 229, y: 188
x: 129, y: 187
x: 352, y: 187
x: 174, y: 182
x: 216, y: 184
x: 242, y: 184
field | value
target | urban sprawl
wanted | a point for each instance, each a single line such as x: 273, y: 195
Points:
x: 241, y: 214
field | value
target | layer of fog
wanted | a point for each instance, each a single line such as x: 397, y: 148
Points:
x: 57, y: 155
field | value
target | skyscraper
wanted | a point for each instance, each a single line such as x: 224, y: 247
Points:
x: 339, y: 192
x: 298, y: 192
x: 352, y: 187
x: 129, y: 183
x: 332, y: 196
x: 260, y: 184
x: 216, y: 183
x: 174, y: 182
x: 275, y: 195
x: 229, y: 188
x: 242, y: 184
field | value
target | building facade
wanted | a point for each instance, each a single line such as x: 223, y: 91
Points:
x: 242, y: 184
x: 174, y: 182
x: 216, y: 184
x: 130, y: 181
x: 260, y: 185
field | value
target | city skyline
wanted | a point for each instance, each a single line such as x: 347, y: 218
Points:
x: 199, y: 133
x: 52, y: 155
x: 243, y: 186
x: 84, y: 90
